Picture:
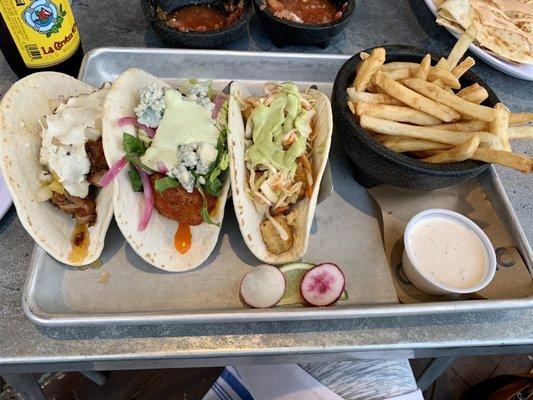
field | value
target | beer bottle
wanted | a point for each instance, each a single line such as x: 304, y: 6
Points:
x: 40, y: 35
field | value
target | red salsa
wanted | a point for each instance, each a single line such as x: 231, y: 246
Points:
x: 305, y: 11
x: 201, y: 18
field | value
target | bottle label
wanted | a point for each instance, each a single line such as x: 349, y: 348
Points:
x: 44, y: 31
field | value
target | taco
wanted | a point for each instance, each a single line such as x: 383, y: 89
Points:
x: 168, y: 151
x: 279, y: 144
x: 52, y: 162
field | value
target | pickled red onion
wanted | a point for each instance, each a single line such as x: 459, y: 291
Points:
x: 133, y: 121
x: 162, y: 167
x: 113, y: 171
x: 219, y: 100
x: 148, y: 200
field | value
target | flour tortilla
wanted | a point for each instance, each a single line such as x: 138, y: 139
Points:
x: 21, y: 108
x: 248, y: 217
x: 156, y: 243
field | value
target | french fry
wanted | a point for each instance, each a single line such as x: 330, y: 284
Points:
x: 474, y: 125
x: 445, y: 76
x: 464, y: 66
x: 520, y: 132
x: 402, y: 144
x: 474, y: 93
x: 396, y: 113
x: 455, y: 102
x: 368, y: 68
x: 439, y: 71
x: 461, y: 46
x: 399, y: 73
x: 500, y: 124
x: 380, y: 137
x: 380, y: 125
x: 520, y: 118
x: 423, y: 70
x: 376, y: 98
x: 399, y: 64
x: 398, y: 129
x: 413, y: 99
x: 459, y: 153
x: 512, y: 160
x: 351, y: 106
x: 444, y: 64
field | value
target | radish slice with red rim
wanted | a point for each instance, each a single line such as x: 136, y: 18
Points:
x: 322, y: 285
x: 263, y: 287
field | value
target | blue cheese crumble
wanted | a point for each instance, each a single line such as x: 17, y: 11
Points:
x: 194, y: 157
x: 151, y: 106
x: 199, y: 94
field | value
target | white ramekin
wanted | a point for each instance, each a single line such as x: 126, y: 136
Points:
x: 425, y: 282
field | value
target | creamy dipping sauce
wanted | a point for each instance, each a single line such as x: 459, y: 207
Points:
x: 449, y: 252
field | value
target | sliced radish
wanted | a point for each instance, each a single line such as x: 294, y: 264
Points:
x: 263, y: 287
x: 322, y: 285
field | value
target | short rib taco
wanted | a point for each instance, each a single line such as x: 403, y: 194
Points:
x: 168, y: 151
x: 279, y: 142
x: 52, y: 160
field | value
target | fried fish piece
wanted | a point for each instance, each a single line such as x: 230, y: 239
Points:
x: 274, y: 242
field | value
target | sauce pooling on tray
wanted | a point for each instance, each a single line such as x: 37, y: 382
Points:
x: 201, y: 18
x: 449, y: 252
x: 80, y: 243
x: 305, y: 11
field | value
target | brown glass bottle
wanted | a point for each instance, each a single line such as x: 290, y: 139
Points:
x: 39, y: 35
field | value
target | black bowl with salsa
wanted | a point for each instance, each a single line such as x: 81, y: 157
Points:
x: 208, y: 24
x: 303, y: 21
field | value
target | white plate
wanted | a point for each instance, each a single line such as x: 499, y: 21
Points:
x: 5, y: 198
x: 522, y: 71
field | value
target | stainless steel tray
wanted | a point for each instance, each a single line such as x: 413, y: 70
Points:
x: 57, y: 295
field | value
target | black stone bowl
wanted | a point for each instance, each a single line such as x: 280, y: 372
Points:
x: 283, y: 32
x: 374, y: 163
x: 199, y: 40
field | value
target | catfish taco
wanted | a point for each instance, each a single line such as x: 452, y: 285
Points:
x: 278, y: 143
x: 52, y: 161
x: 168, y: 151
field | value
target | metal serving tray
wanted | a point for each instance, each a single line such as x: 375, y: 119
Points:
x: 137, y: 293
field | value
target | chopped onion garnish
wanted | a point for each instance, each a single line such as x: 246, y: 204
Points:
x: 219, y: 100
x: 113, y: 171
x: 162, y: 167
x: 148, y: 200
x: 133, y: 121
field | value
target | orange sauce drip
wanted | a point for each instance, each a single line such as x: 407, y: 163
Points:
x: 80, y: 241
x: 183, y: 238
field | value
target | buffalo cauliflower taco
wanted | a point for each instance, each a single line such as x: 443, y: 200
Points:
x: 52, y: 161
x: 168, y: 155
x: 279, y: 141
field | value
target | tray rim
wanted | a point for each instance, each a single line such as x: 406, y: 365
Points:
x: 280, y: 314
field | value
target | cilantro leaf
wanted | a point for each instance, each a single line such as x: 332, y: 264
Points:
x: 132, y: 145
x: 166, y: 183
x: 135, y: 180
x: 136, y: 161
x: 213, y: 187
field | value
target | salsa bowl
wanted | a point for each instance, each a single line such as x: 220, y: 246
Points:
x: 284, y: 32
x: 211, y: 39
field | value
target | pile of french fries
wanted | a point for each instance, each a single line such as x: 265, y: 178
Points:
x: 421, y: 110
